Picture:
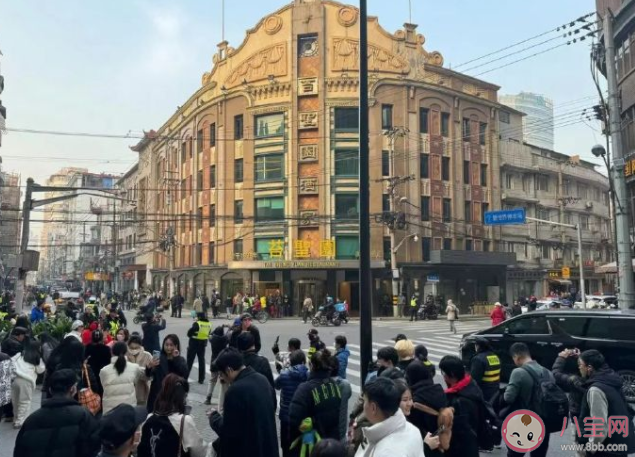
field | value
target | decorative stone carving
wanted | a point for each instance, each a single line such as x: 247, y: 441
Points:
x: 307, y: 86
x: 347, y: 16
x: 308, y: 153
x: 268, y: 61
x: 273, y: 24
x: 308, y: 186
x: 308, y: 217
x: 346, y: 57
x: 308, y: 46
x: 308, y: 120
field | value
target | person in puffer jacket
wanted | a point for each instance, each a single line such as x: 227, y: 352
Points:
x: 28, y: 365
x: 119, y: 379
x: 287, y: 383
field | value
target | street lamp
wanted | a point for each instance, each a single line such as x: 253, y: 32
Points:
x: 414, y: 236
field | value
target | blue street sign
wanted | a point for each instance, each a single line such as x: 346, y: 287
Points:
x: 505, y: 217
x: 433, y: 278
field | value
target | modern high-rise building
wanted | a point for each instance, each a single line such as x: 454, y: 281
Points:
x: 538, y: 126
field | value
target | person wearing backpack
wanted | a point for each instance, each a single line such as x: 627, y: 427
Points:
x: 604, y: 400
x: 532, y: 386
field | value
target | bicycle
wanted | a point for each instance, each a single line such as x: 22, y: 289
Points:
x: 262, y: 316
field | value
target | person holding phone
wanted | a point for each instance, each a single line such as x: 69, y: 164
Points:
x: 169, y: 361
x: 137, y: 354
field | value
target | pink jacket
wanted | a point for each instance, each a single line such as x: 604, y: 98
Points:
x: 497, y: 315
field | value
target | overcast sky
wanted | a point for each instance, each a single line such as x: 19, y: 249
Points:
x: 125, y: 65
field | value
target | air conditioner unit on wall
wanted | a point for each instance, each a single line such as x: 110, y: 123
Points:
x: 588, y: 205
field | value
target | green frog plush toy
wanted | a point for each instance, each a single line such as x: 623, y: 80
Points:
x: 308, y: 438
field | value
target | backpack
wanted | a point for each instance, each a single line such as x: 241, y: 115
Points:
x: 159, y: 439
x: 445, y: 421
x: 548, y: 400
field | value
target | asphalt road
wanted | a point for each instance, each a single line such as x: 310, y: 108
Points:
x: 434, y: 334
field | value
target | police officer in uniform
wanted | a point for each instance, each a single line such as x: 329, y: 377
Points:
x: 413, y: 307
x: 486, y: 368
x: 198, y: 335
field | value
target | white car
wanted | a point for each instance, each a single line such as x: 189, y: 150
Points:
x: 598, y: 302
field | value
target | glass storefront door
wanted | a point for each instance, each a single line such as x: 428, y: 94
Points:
x: 304, y: 288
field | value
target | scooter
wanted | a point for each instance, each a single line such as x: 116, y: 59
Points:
x: 321, y: 318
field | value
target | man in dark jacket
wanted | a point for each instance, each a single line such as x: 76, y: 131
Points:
x: 247, y: 346
x: 248, y: 424
x: 13, y: 345
x: 466, y: 398
x: 315, y: 343
x: 151, y: 329
x: 287, y: 383
x: 516, y: 310
x: 61, y: 427
x: 603, y: 401
x: 426, y: 392
x: 245, y: 325
x: 218, y: 341
x: 486, y: 369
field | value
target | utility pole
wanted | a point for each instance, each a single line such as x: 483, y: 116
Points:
x: 114, y: 246
x: 365, y: 275
x: 626, y: 294
x: 24, y: 244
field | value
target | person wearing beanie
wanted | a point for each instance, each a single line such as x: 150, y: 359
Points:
x: 77, y: 328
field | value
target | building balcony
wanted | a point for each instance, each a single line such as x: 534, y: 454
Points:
x: 509, y: 195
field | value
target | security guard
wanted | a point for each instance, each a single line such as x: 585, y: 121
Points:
x: 198, y: 335
x: 486, y: 368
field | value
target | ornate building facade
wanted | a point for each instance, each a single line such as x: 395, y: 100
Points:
x: 255, y: 177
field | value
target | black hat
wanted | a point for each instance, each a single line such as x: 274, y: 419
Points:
x: 400, y: 337
x: 246, y: 316
x: 482, y: 342
x: 313, y: 331
x: 245, y: 341
x: 120, y: 425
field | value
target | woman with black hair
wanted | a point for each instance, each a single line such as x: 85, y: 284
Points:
x: 319, y: 399
x: 169, y: 361
x: 28, y: 365
x: 137, y: 354
x: 70, y: 355
x: 170, y: 431
x: 119, y: 379
x: 48, y: 344
x: 97, y: 357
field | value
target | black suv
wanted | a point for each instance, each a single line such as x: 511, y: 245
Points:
x: 549, y: 332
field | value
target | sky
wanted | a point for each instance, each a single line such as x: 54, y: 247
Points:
x: 123, y: 66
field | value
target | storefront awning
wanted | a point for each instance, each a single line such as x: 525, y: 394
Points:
x: 610, y: 268
x: 136, y: 267
x: 562, y: 282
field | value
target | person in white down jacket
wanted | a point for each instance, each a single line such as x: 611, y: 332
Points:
x: 28, y: 365
x: 390, y: 434
x: 119, y: 379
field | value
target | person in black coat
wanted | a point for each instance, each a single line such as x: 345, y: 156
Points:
x: 567, y: 375
x: 13, y: 344
x: 98, y: 356
x: 319, y: 398
x: 218, y: 341
x: 170, y: 361
x: 425, y: 392
x: 151, y: 328
x: 465, y: 397
x: 248, y: 424
x: 61, y: 427
x: 69, y: 354
x: 260, y: 364
x: 245, y: 326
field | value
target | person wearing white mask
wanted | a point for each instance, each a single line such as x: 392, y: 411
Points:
x: 137, y: 354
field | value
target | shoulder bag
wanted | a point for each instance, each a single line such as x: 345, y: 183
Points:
x: 86, y: 397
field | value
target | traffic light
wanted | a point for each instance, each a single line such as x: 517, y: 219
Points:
x: 401, y: 221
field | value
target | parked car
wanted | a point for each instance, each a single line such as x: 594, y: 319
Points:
x: 599, y: 301
x: 547, y: 304
x: 549, y: 332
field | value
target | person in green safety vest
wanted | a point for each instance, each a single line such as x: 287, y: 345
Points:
x: 414, y: 304
x: 198, y: 335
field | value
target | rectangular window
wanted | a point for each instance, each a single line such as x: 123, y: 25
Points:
x: 199, y: 217
x: 212, y: 134
x: 486, y: 245
x: 238, y: 212
x: 423, y: 120
x: 445, y: 168
x: 425, y: 208
x: 484, y: 209
x: 447, y: 210
x: 582, y: 191
x: 238, y: 127
x: 199, y: 141
x: 385, y: 163
x: 386, y: 117
x: 483, y: 174
x: 347, y: 162
x: 269, y: 209
x: 212, y: 215
x: 347, y: 119
x: 263, y: 247
x: 238, y: 249
x: 346, y: 247
x: 482, y: 133
x: 183, y: 152
x: 346, y: 206
x: 212, y: 176
x: 468, y: 211
x: 447, y: 244
x: 468, y: 245
x: 199, y: 180
x: 542, y: 213
x: 584, y: 222
x: 466, y: 130
x: 466, y: 172
x: 445, y: 125
x: 387, y: 248
x: 385, y: 203
x: 183, y: 188
x: 542, y: 183
x: 509, y: 181
x: 211, y: 253
x: 199, y: 254
x: 545, y: 251
x: 425, y: 166
x: 269, y: 125
x: 426, y: 243
x: 503, y: 116
x: 269, y: 167
x: 238, y: 170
